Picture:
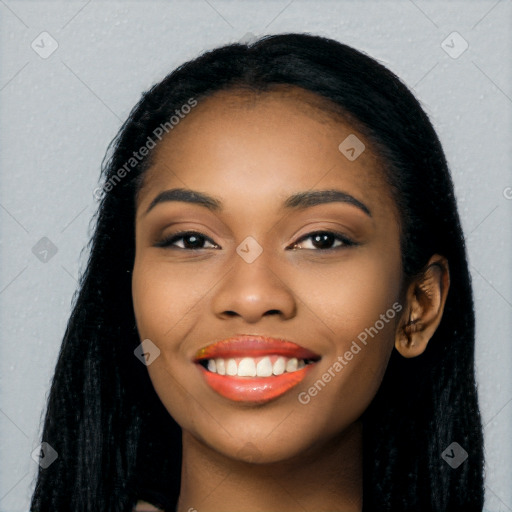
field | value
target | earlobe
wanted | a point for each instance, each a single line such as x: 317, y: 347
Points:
x: 424, y: 306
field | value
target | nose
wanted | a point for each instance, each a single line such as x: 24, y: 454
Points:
x: 253, y: 290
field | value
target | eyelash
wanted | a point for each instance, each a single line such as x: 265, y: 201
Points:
x: 171, y: 239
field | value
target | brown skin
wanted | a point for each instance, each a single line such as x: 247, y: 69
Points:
x: 252, y: 152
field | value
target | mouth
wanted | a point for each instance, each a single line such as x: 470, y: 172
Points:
x: 254, y: 368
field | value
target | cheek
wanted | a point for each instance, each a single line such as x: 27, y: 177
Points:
x: 346, y: 298
x: 162, y: 299
x: 163, y: 295
x: 359, y: 306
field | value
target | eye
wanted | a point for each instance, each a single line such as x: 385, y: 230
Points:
x: 192, y: 240
x: 323, y: 240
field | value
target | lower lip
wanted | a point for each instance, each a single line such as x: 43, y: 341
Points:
x: 254, y: 389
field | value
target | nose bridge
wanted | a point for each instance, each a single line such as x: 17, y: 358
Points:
x: 255, y: 262
x: 253, y: 287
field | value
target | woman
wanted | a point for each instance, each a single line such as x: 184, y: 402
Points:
x: 277, y: 311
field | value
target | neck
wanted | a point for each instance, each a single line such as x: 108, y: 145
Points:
x: 326, y: 478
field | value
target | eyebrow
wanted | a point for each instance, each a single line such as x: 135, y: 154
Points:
x: 299, y: 201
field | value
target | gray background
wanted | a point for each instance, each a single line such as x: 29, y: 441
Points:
x: 60, y: 112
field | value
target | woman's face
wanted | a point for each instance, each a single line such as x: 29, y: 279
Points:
x: 260, y: 264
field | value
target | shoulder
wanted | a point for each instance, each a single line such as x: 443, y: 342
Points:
x: 144, y: 506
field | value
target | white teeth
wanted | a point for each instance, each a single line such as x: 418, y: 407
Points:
x: 255, y: 367
x: 247, y: 367
x: 264, y: 368
x: 231, y: 368
x: 279, y: 366
x: 221, y: 366
x: 292, y: 364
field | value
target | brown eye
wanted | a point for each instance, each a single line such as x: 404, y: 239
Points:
x: 323, y: 240
x: 192, y: 240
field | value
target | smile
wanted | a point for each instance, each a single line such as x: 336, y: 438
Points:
x: 254, y: 368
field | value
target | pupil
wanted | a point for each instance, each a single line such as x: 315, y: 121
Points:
x: 326, y: 238
x: 196, y: 241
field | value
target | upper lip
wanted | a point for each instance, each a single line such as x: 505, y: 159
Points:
x: 249, y: 345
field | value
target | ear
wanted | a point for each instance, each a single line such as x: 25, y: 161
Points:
x: 424, y: 306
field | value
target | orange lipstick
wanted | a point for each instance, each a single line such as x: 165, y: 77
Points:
x: 250, y: 368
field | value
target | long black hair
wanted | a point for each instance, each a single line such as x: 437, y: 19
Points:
x: 116, y: 441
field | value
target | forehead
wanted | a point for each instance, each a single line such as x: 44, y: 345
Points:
x: 260, y: 144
